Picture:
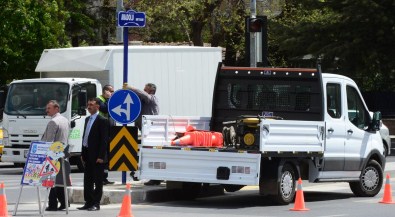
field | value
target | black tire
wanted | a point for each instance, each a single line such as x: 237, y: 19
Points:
x: 385, y: 149
x: 285, y: 186
x: 370, y: 181
x: 232, y: 188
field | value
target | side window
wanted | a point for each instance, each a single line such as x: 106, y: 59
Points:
x: 91, y: 93
x: 357, y: 113
x: 333, y: 100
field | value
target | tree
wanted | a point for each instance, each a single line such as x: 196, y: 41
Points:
x: 81, y: 24
x: 219, y: 22
x: 27, y: 28
x: 354, y: 38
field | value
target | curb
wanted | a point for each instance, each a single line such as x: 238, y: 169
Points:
x: 141, y: 194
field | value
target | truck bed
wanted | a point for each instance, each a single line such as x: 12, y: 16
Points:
x: 159, y: 160
x: 276, y: 136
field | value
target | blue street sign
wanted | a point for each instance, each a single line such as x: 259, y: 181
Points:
x: 124, y: 106
x: 131, y: 18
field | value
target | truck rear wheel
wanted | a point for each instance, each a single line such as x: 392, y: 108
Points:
x: 286, y: 186
x: 370, y: 181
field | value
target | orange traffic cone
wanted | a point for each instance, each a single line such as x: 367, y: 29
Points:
x: 299, y: 200
x: 387, y: 198
x: 185, y: 140
x: 3, y: 202
x: 126, y: 208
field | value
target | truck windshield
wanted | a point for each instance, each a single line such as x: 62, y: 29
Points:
x: 26, y: 99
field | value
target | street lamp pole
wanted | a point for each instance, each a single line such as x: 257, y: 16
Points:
x: 253, y: 37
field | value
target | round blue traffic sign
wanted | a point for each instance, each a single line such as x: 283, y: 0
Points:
x: 124, y: 106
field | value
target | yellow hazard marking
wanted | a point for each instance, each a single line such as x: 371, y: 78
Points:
x: 123, y: 167
x: 123, y: 151
x: 123, y: 133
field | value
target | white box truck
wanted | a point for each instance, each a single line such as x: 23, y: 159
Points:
x: 278, y: 124
x: 67, y: 73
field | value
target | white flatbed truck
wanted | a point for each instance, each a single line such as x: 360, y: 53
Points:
x: 278, y: 124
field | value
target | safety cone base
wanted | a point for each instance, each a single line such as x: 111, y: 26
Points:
x: 301, y: 209
x: 387, y: 202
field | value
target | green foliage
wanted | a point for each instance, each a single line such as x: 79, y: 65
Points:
x: 351, y: 37
x: 80, y: 25
x: 355, y: 38
x: 27, y: 28
x: 219, y: 22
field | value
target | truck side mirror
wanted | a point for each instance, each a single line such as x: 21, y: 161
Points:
x: 376, y: 121
x: 82, y: 99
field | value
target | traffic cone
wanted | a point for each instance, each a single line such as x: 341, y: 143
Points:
x: 3, y: 202
x: 126, y: 208
x: 387, y: 198
x: 299, y: 200
x: 185, y: 140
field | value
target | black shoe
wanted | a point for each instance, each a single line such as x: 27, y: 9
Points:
x: 133, y: 177
x: 106, y: 182
x: 153, y: 182
x: 63, y: 206
x: 94, y: 208
x: 85, y: 207
x: 51, y: 209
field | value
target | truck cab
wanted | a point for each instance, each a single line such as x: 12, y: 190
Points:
x: 25, y: 118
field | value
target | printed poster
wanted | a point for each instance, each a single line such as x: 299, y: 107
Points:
x: 42, y: 163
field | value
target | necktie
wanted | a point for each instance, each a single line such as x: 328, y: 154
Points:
x: 87, y: 130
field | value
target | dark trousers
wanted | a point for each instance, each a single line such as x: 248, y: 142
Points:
x: 93, y: 183
x: 56, y: 194
x: 106, y: 170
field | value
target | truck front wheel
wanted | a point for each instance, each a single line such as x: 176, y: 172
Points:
x: 370, y: 181
x: 286, y: 185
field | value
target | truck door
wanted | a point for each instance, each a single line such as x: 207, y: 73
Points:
x: 335, y: 127
x: 357, y: 138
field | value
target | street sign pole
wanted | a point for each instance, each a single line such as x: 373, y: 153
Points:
x: 128, y: 19
x: 125, y: 73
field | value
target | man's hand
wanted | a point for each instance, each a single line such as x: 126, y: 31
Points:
x: 99, y: 161
x: 125, y: 86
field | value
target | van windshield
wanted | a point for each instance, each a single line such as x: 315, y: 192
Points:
x: 26, y: 99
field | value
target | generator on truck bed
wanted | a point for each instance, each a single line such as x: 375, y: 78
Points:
x: 278, y: 124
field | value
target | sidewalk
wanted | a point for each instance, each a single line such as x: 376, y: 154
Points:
x: 140, y: 193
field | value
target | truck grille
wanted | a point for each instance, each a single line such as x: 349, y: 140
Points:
x: 22, y: 140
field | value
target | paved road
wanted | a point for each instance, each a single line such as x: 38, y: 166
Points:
x: 323, y: 199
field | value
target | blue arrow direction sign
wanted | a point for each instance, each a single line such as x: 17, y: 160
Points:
x: 124, y: 106
x: 131, y: 18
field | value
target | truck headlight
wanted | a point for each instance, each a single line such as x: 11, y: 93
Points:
x: 5, y: 137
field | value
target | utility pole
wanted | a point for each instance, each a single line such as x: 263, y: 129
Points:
x: 253, y: 38
x: 119, y: 30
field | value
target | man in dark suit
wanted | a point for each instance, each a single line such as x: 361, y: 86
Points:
x: 94, y: 155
